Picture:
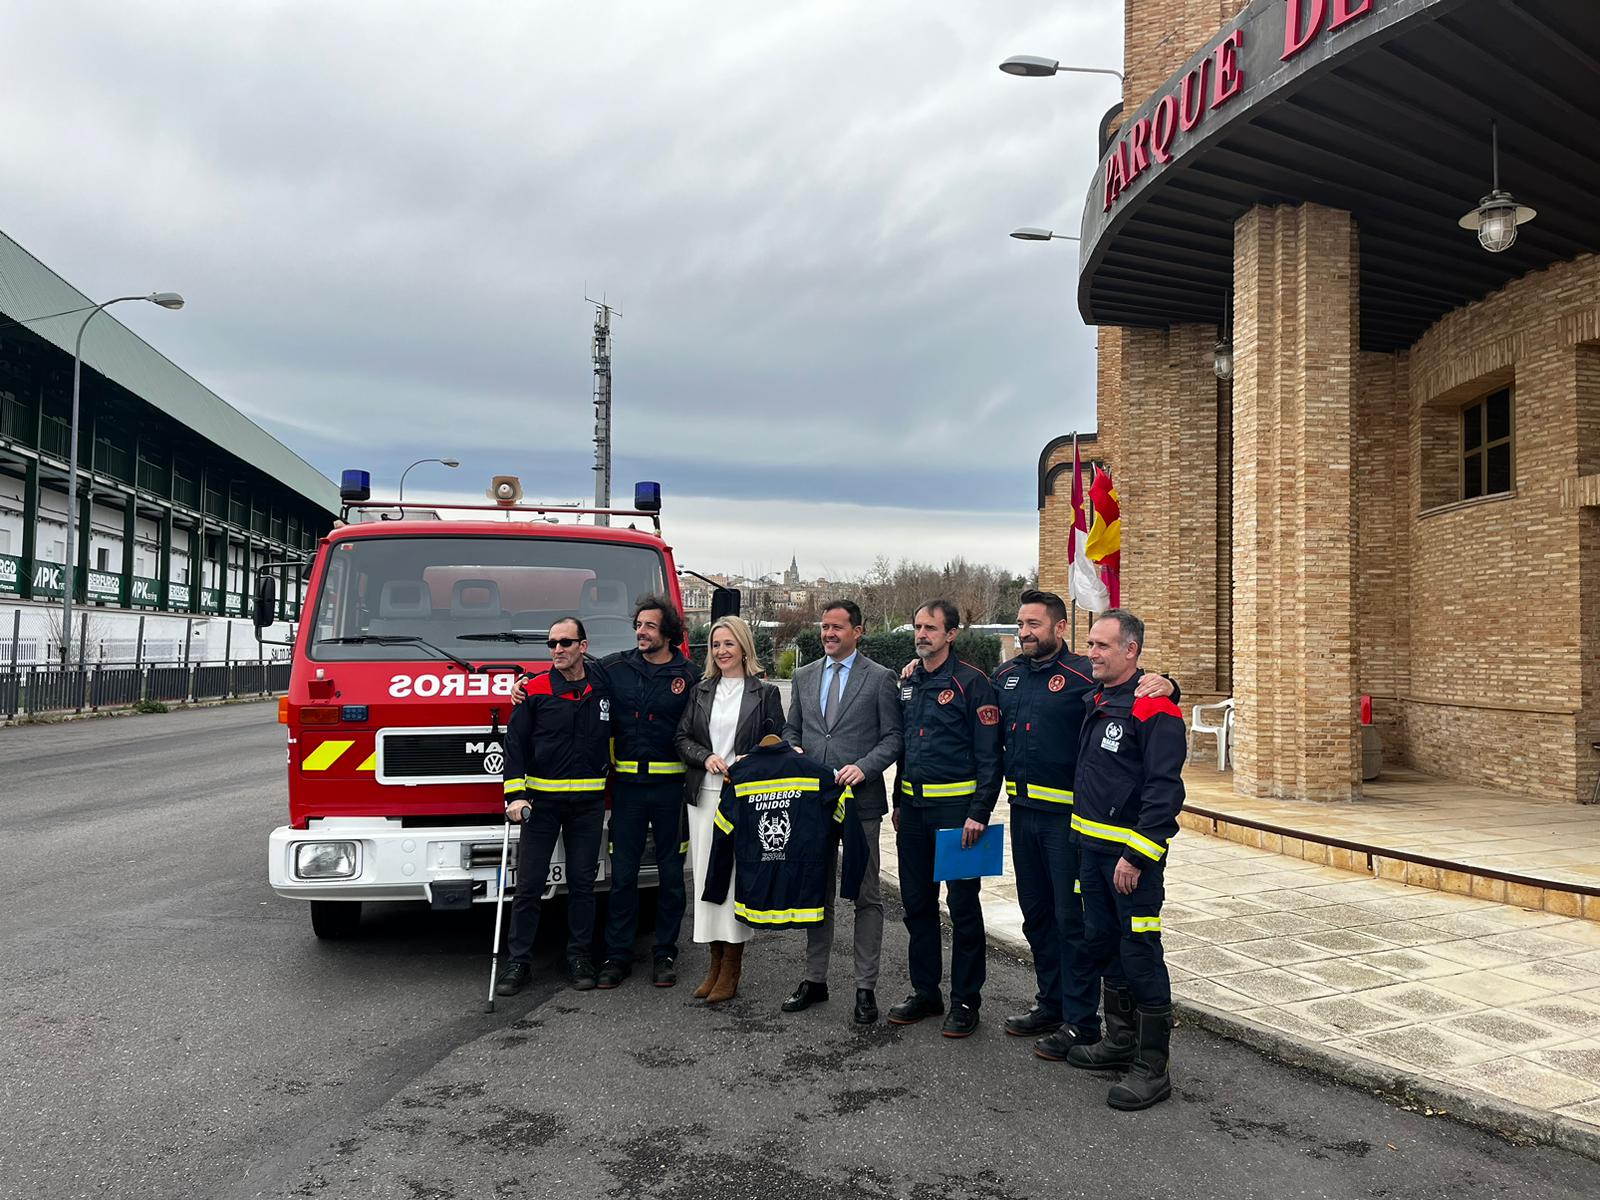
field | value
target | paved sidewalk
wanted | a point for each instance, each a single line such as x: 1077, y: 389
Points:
x: 1481, y: 1009
x: 1458, y: 838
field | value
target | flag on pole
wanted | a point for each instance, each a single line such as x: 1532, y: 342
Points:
x: 1104, y: 543
x: 1083, y: 584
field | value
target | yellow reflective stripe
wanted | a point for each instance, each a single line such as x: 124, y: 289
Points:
x: 1037, y: 791
x: 565, y: 785
x: 763, y: 786
x: 838, y: 810
x: 325, y: 755
x: 1145, y: 924
x: 370, y: 763
x: 776, y: 916
x: 1118, y: 833
x: 630, y: 766
x: 965, y: 787
x: 722, y: 822
x: 516, y: 786
x: 1077, y: 887
x: 683, y: 847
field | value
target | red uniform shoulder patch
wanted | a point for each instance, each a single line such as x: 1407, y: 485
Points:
x: 1145, y: 707
x: 989, y: 714
x: 1057, y: 682
x: 678, y: 685
x: 947, y: 695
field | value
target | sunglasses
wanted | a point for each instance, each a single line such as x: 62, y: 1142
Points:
x: 561, y: 643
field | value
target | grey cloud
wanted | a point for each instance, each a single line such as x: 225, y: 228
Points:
x: 384, y: 218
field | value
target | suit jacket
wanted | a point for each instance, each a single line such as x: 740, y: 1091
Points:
x: 866, y: 729
x: 760, y: 713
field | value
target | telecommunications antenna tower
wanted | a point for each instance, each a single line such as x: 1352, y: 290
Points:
x: 600, y: 351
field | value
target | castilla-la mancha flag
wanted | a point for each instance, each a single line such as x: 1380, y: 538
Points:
x: 1085, y: 586
x: 1104, y: 544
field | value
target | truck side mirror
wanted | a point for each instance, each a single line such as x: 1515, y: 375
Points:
x: 266, y: 611
x: 724, y: 603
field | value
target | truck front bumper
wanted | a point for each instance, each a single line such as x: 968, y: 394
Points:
x: 371, y: 858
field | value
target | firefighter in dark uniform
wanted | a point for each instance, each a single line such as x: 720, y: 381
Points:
x: 1042, y: 693
x: 558, y: 749
x: 949, y: 778
x: 1125, y: 813
x: 650, y: 686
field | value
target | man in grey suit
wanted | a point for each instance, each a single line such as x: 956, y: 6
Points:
x: 845, y: 712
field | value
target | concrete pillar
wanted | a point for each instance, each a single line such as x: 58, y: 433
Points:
x: 30, y: 525
x: 164, y: 556
x: 1295, y: 341
x: 130, y: 529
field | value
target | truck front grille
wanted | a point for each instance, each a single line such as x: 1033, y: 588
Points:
x: 440, y: 756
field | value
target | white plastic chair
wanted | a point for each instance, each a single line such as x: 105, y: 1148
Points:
x: 1222, y: 727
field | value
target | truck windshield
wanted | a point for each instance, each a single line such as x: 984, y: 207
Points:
x: 465, y: 595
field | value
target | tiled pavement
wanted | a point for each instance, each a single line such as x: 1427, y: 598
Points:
x: 1485, y: 1008
x: 1552, y: 846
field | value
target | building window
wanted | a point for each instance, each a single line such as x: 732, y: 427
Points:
x: 1486, y: 464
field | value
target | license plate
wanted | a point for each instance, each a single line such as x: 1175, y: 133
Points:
x: 557, y: 875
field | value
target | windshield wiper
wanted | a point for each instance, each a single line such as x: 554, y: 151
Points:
x: 395, y: 639
x: 502, y: 637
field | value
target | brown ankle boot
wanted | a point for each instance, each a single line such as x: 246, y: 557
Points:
x: 704, y: 990
x: 728, y: 979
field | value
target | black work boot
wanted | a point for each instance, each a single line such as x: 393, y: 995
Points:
x: 514, y: 980
x: 1035, y: 1021
x: 1147, y: 1081
x: 581, y: 972
x: 1054, y: 1047
x: 1119, y: 1044
x: 612, y: 972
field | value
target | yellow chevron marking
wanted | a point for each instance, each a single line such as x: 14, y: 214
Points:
x: 370, y: 763
x: 325, y: 755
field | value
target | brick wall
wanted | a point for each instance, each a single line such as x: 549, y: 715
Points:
x: 1503, y: 590
x: 1382, y: 473
x: 1160, y: 35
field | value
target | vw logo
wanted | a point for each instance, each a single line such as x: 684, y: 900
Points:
x: 493, y: 763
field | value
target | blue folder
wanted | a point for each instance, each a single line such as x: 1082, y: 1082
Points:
x: 987, y: 857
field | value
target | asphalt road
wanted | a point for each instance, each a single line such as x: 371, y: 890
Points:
x: 171, y: 1029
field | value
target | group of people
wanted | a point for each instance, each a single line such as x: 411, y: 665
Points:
x: 1088, y: 749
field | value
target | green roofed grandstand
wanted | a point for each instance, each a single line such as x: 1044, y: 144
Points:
x: 180, y: 496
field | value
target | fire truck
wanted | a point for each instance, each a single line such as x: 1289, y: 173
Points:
x: 416, y: 628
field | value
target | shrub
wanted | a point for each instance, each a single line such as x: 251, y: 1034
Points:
x: 785, y: 669
x: 150, y: 706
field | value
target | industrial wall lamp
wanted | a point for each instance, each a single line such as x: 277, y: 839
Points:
x: 1498, y: 214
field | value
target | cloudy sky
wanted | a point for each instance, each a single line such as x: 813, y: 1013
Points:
x: 385, y: 217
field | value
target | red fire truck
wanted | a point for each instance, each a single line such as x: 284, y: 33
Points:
x: 413, y: 635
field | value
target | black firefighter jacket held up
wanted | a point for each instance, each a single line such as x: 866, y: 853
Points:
x: 558, y: 742
x: 1130, y: 774
x: 647, y: 701
x: 780, y: 816
x: 952, y: 739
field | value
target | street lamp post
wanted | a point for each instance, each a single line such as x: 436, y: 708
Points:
x: 1028, y: 233
x: 448, y: 462
x: 165, y: 300
x: 1032, y: 65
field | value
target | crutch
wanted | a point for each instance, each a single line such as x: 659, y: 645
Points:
x: 499, y: 908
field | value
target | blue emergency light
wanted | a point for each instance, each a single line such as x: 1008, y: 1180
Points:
x: 647, y: 497
x: 355, y: 486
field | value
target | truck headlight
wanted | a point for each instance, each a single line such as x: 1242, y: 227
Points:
x: 325, y: 860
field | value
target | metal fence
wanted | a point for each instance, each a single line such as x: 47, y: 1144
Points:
x: 26, y: 690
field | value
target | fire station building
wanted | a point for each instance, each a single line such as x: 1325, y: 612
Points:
x: 180, y: 496
x: 1342, y: 258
